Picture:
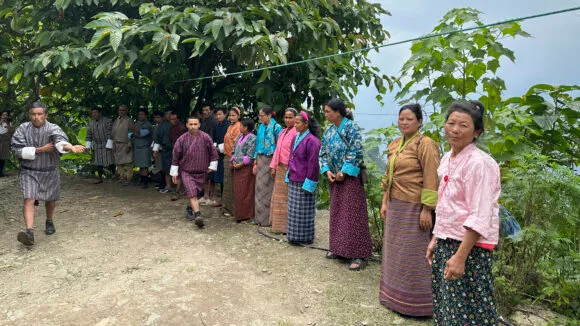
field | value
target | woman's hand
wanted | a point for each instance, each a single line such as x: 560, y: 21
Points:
x: 454, y: 268
x: 340, y: 176
x: 425, y: 219
x: 255, y: 169
x: 331, y: 176
x: 273, y: 173
x: 430, y: 249
x: 384, y: 211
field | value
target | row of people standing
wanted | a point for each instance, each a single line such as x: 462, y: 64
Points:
x: 445, y: 271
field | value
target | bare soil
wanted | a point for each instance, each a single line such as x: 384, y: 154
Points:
x: 127, y: 256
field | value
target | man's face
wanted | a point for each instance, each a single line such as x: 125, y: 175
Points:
x: 4, y: 116
x: 142, y: 116
x: 122, y: 111
x: 95, y: 114
x: 168, y: 115
x: 173, y: 119
x: 157, y: 119
x: 220, y: 116
x: 193, y: 125
x: 206, y: 112
x: 37, y: 117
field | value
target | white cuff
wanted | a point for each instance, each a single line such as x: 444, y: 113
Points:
x: 214, y: 145
x: 88, y: 144
x: 109, y: 144
x: 221, y: 148
x: 60, y: 146
x: 28, y: 153
x: 174, y: 171
x: 156, y: 147
x: 152, y: 144
x: 213, y: 165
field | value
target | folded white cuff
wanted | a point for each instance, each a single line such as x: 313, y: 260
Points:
x: 221, y: 147
x: 60, y: 146
x: 109, y: 144
x: 88, y: 144
x: 213, y: 165
x: 174, y: 171
x: 215, y: 145
x: 28, y: 153
x: 156, y: 148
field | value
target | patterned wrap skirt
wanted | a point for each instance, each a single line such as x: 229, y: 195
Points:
x: 301, y: 213
x: 349, y: 235
x: 468, y: 300
x: 40, y: 185
x: 264, y: 189
x: 142, y: 157
x: 193, y: 183
x: 103, y: 155
x: 5, y: 140
x: 228, y: 194
x: 244, y: 185
x: 405, y: 273
x: 279, y: 205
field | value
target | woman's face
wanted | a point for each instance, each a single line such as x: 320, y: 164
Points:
x: 233, y: 116
x: 331, y: 115
x: 243, y: 129
x: 300, y: 124
x: 264, y: 118
x: 408, y: 123
x: 289, y: 119
x: 460, y: 130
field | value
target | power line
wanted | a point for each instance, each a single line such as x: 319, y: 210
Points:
x: 550, y: 13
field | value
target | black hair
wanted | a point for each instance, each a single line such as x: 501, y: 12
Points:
x: 313, y: 125
x: 158, y: 113
x: 337, y: 105
x: 248, y: 123
x: 168, y: 109
x: 268, y: 110
x: 415, y: 108
x: 291, y: 110
x: 144, y: 110
x: 98, y: 109
x: 39, y: 104
x: 192, y: 117
x: 221, y: 108
x: 124, y: 106
x: 2, y: 112
x: 475, y: 109
x: 206, y: 104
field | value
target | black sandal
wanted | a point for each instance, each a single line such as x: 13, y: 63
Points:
x: 360, y: 264
x: 330, y: 255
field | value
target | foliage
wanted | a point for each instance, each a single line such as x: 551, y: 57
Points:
x: 83, y: 53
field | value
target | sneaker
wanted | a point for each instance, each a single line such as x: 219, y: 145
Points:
x: 198, y: 220
x: 163, y: 190
x: 49, y: 227
x: 189, y: 213
x: 26, y: 237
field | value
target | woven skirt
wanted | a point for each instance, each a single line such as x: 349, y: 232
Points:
x: 405, y: 273
x: 228, y: 194
x: 40, y: 185
x: 301, y: 213
x: 193, y: 183
x: 264, y: 189
x: 244, y: 183
x: 468, y: 300
x: 279, y: 205
x: 349, y: 235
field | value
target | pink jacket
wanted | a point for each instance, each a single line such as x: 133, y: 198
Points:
x: 283, y: 147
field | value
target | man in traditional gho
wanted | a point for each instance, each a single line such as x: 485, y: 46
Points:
x: 37, y: 145
x: 99, y: 140
x: 194, y: 156
x: 142, y: 138
x: 122, y: 149
x: 176, y: 129
x: 208, y: 125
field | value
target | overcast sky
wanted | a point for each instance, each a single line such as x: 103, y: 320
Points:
x: 550, y: 56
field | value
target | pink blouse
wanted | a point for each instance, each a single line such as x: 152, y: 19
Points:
x: 283, y: 147
x: 469, y: 188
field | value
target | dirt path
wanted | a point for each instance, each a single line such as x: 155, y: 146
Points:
x: 127, y: 256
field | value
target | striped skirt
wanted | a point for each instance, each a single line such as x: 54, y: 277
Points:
x: 349, y: 235
x: 228, y: 194
x: 264, y: 189
x: 5, y: 148
x: 468, y: 300
x: 193, y: 183
x: 301, y: 213
x: 244, y: 183
x: 40, y: 185
x: 405, y: 273
x: 279, y: 205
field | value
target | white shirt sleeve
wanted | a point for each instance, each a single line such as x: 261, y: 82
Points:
x: 109, y: 144
x: 88, y: 144
x: 28, y: 153
x: 60, y: 146
x: 221, y: 148
x: 174, y: 171
x: 156, y: 147
x: 213, y: 165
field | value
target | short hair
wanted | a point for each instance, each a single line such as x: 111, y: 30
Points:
x: 96, y: 108
x: 144, y: 110
x: 475, y: 109
x: 39, y: 104
x: 415, y: 108
x: 157, y: 113
x: 192, y: 117
x: 168, y: 109
x: 123, y: 106
x: 208, y: 105
x: 223, y: 109
x: 248, y: 123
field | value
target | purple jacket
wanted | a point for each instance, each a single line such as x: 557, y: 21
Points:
x: 303, y: 165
